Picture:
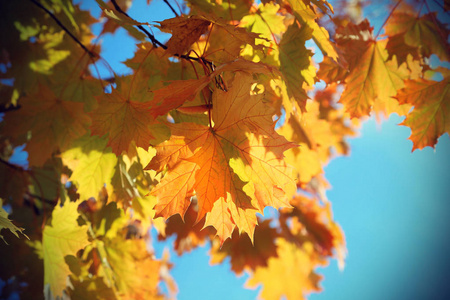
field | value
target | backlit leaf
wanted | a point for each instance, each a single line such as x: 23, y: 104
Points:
x: 295, y: 62
x: 92, y: 163
x: 63, y: 237
x: 5, y: 223
x: 290, y: 274
x: 431, y: 115
x: 373, y: 83
x: 53, y: 124
x: 224, y: 164
x: 124, y: 121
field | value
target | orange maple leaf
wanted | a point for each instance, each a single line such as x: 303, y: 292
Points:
x: 123, y: 120
x: 431, y: 115
x: 236, y: 166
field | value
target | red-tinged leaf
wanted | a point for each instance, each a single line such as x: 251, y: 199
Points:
x: 189, y: 234
x: 396, y: 46
x: 330, y: 71
x: 176, y: 94
x: 123, y: 120
x: 243, y: 254
x: 354, y: 40
x: 185, y: 31
x: 53, y: 124
x: 310, y: 220
x: 431, y: 115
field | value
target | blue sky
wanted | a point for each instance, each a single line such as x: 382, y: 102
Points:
x: 392, y: 204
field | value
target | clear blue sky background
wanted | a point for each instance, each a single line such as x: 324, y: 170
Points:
x: 393, y: 205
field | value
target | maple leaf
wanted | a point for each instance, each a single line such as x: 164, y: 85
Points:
x: 243, y: 254
x: 266, y: 21
x: 124, y: 121
x: 53, y: 124
x: 92, y: 163
x: 229, y: 10
x: 331, y: 72
x: 5, y: 223
x: 176, y: 93
x: 290, y: 274
x: 396, y: 46
x: 306, y: 16
x: 235, y: 167
x: 310, y: 220
x: 189, y: 234
x: 295, y: 62
x: 373, y: 83
x: 238, y: 33
x: 135, y: 271
x: 185, y: 31
x: 63, y: 237
x: 354, y: 40
x: 431, y: 115
x: 426, y: 33
x: 122, y: 20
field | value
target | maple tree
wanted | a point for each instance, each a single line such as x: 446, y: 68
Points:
x: 212, y: 126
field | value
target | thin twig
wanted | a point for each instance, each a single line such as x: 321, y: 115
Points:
x: 155, y: 42
x: 385, y: 21
x: 170, y: 6
x: 91, y: 54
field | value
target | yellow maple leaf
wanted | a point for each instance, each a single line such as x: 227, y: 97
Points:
x: 92, y: 163
x: 290, y: 275
x: 63, y: 237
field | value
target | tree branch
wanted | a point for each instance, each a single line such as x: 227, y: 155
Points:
x: 155, y: 42
x: 170, y: 6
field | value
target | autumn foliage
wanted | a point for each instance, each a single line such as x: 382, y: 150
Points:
x: 227, y: 117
